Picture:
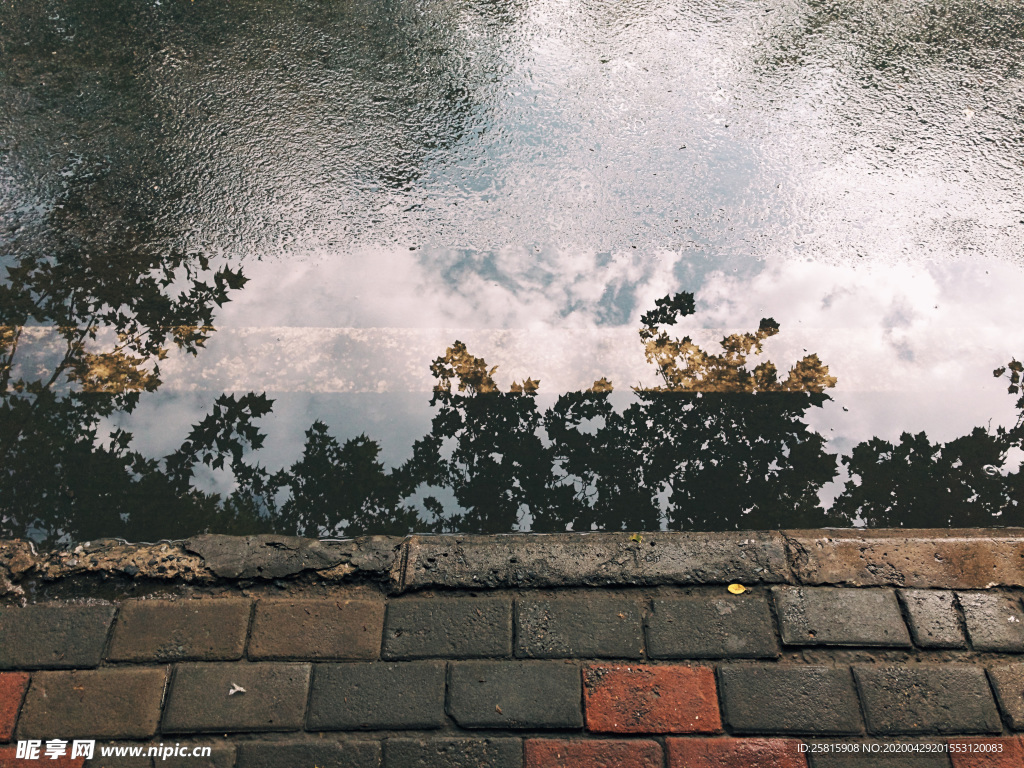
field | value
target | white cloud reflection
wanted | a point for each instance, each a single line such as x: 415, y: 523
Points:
x: 913, y: 345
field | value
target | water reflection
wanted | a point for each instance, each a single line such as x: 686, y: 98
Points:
x: 385, y: 169
x: 727, y: 127
x: 917, y: 483
x: 716, y: 445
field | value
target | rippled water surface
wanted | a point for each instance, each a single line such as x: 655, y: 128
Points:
x: 317, y: 199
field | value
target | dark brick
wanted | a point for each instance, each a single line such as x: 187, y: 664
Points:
x: 642, y: 699
x: 1008, y: 681
x: 828, y: 616
x: 947, y: 698
x: 377, y: 696
x: 453, y: 753
x: 579, y: 626
x: 316, y: 629
x: 8, y: 759
x: 934, y: 622
x: 994, y: 622
x: 418, y: 628
x: 986, y: 753
x: 306, y: 754
x: 123, y: 761
x: 880, y: 760
x: 515, y: 694
x: 12, y: 690
x: 94, y: 704
x: 789, y: 699
x: 592, y: 753
x: 200, y: 698
x: 735, y: 753
x: 176, y: 630
x: 221, y: 756
x: 708, y: 627
x: 53, y: 636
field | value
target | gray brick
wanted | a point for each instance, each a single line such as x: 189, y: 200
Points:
x: 881, y: 760
x: 95, y: 704
x: 176, y: 630
x: 439, y: 628
x: 305, y: 754
x: 830, y: 616
x: 579, y: 626
x: 99, y: 761
x: 994, y: 622
x: 707, y: 627
x: 200, y: 698
x: 316, y: 630
x: 515, y: 694
x: 221, y: 756
x: 453, y: 753
x: 53, y: 636
x: 946, y: 699
x: 934, y: 622
x: 1008, y: 682
x: 789, y: 699
x: 377, y: 696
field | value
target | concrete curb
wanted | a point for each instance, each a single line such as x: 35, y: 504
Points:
x: 949, y: 559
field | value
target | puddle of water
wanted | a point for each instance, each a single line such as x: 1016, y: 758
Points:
x: 529, y: 178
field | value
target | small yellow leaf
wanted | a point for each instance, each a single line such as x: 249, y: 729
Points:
x: 737, y: 589
x: 637, y: 538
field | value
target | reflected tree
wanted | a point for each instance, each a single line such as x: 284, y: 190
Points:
x: 600, y: 473
x: 341, y: 490
x: 728, y: 445
x: 113, y: 316
x: 61, y: 482
x: 715, y: 446
x: 920, y: 484
x: 125, y: 166
x: 485, y: 448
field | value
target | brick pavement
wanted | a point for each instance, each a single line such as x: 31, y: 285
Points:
x: 659, y: 677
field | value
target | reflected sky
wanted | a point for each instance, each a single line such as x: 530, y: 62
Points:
x: 529, y: 177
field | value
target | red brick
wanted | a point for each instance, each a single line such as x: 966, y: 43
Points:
x: 12, y: 691
x: 8, y: 760
x: 735, y: 753
x: 1011, y: 754
x: 554, y: 753
x: 642, y: 699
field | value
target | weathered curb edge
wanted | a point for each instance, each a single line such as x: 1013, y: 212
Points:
x: 949, y: 559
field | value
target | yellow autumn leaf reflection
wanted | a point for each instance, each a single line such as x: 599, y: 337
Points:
x: 685, y: 367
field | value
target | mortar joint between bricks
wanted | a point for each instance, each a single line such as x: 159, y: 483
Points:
x: 109, y: 639
x: 726, y: 725
x: 383, y: 631
x: 449, y: 720
x: 249, y: 629
x: 309, y: 698
x: 773, y: 612
x: 961, y: 617
x: 646, y: 611
x: 514, y: 650
x: 865, y: 731
x: 905, y: 615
